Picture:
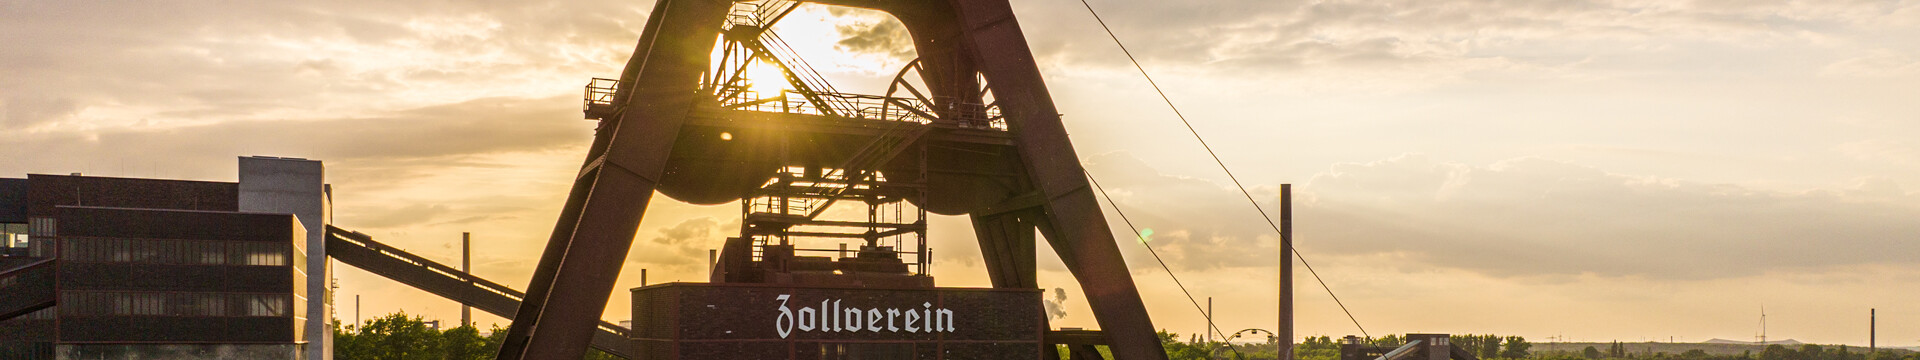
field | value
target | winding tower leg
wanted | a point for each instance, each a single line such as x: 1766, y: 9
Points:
x: 582, y: 259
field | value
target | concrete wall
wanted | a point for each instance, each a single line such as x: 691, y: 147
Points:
x: 298, y: 187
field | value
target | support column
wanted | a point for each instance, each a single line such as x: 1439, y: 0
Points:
x: 1285, y: 329
x: 466, y: 267
x: 1072, y: 221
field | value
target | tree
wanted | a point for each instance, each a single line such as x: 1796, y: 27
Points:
x: 1591, y: 353
x: 1489, y: 346
x: 400, y: 337
x: 1694, y: 354
x: 1391, y: 341
x: 1515, y: 348
x: 1177, y: 350
x: 392, y: 337
x: 1777, y: 352
x: 465, y: 343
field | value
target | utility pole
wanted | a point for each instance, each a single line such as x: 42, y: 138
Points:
x: 466, y: 268
x: 1285, y: 333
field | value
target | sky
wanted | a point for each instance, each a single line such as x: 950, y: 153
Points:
x: 1567, y: 170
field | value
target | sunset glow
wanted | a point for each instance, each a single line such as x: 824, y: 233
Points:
x: 1601, y: 170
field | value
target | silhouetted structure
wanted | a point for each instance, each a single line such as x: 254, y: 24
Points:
x: 1417, y: 347
x: 120, y: 267
x: 968, y: 128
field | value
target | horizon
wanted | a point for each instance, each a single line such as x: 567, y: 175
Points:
x: 1590, y: 170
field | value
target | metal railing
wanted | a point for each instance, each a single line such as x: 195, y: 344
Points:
x: 599, y: 92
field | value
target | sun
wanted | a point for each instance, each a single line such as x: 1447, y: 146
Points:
x: 767, y: 79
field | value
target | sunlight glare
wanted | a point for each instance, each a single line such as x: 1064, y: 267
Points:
x: 767, y: 79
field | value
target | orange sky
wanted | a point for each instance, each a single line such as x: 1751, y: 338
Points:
x: 1602, y: 170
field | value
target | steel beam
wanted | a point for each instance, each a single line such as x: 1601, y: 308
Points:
x: 577, y: 271
x: 1007, y: 245
x: 1073, y: 222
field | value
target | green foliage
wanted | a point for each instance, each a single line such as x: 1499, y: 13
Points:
x: 1391, y: 341
x: 1315, y: 348
x: 1515, y: 347
x: 392, y: 337
x: 465, y: 343
x: 1617, y: 350
x: 400, y: 337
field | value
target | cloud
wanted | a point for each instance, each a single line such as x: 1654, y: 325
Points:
x: 1533, y: 216
x: 437, y: 134
x: 21, y: 112
x: 1902, y: 152
x: 1527, y: 217
x: 197, y: 63
x: 683, y: 244
x: 883, y: 36
x: 1876, y: 63
x: 1229, y: 235
x: 400, y: 217
x: 1403, y: 44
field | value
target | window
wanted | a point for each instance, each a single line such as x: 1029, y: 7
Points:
x: 196, y: 304
x: 42, y: 226
x: 178, y: 252
x: 13, y: 235
x: 267, y: 305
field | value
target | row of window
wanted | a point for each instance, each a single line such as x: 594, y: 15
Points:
x: 112, y: 303
x: 177, y: 252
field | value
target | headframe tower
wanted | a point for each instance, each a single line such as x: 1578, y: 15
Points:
x: 969, y: 128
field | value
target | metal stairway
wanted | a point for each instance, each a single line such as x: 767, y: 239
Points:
x: 361, y: 251
x: 750, y: 25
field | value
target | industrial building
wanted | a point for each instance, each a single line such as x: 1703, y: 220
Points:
x: 105, y: 267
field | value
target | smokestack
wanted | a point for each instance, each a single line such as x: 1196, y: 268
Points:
x: 1873, y: 330
x: 466, y: 268
x: 1285, y: 330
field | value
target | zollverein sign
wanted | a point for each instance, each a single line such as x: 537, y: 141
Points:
x: 835, y: 318
x: 770, y: 321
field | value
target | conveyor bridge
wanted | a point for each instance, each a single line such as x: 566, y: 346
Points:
x: 361, y: 251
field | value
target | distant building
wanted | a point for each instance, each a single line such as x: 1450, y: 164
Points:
x: 143, y: 268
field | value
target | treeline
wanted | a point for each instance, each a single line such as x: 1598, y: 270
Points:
x: 400, y: 337
x: 1326, y: 348
x: 1618, y: 350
